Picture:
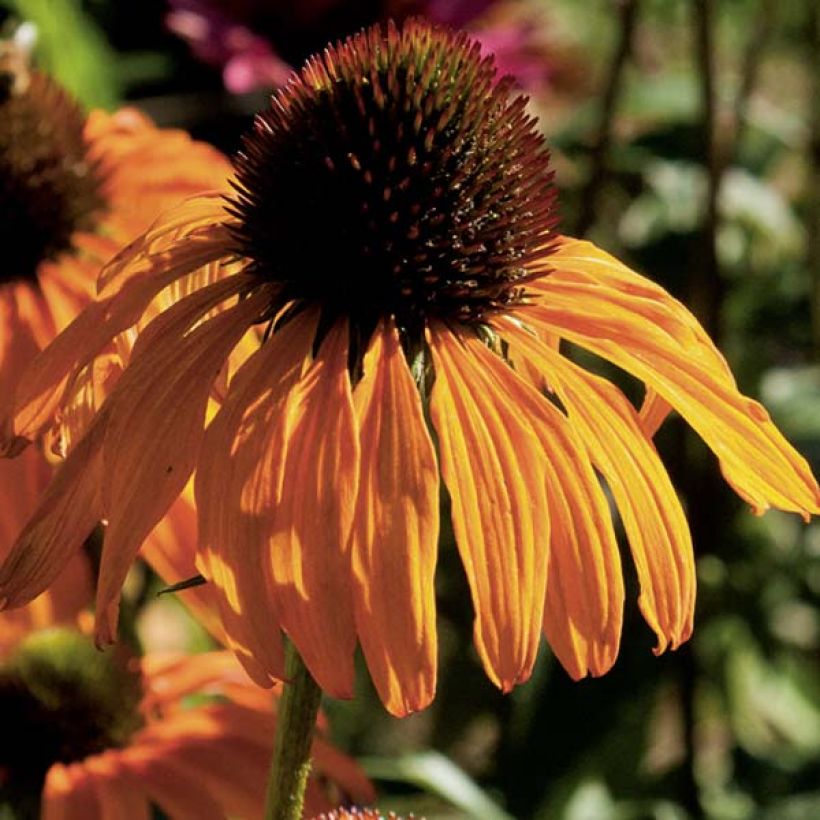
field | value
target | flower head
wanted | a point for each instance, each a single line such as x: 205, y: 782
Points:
x: 73, y: 189
x: 115, y: 735
x: 393, y: 233
x: 429, y: 186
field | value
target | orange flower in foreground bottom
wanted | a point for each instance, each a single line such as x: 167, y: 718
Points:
x: 394, y: 210
x: 108, y: 738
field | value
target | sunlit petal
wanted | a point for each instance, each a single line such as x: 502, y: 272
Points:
x: 651, y: 512
x: 395, y: 533
x: 494, y: 469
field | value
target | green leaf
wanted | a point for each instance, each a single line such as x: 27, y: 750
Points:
x: 72, y: 48
x: 434, y: 773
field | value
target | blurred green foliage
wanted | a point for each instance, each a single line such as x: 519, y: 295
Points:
x: 71, y: 46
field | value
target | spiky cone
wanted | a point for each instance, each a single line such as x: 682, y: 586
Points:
x: 393, y: 231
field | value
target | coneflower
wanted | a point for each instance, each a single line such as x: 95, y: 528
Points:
x: 74, y: 188
x: 392, y: 231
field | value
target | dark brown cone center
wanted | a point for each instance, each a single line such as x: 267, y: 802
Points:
x: 396, y: 177
x: 61, y: 700
x: 48, y: 187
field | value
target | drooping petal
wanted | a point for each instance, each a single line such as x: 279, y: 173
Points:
x: 651, y: 512
x: 575, y: 261
x: 653, y: 412
x: 195, y: 218
x: 41, y: 387
x: 156, y: 422
x: 238, y: 446
x: 67, y: 513
x: 81, y: 402
x: 593, y: 300
x: 583, y: 612
x: 310, y: 513
x: 495, y: 471
x: 395, y: 531
x: 22, y: 481
x: 170, y: 549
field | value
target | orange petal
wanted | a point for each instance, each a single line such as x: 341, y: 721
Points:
x: 22, y: 316
x: 22, y: 481
x: 180, y: 795
x: 654, y: 411
x: 237, y: 787
x: 310, y: 513
x: 192, y: 220
x: 66, y: 287
x: 145, y: 169
x: 170, y: 549
x: 236, y: 448
x: 651, y: 512
x: 68, y: 795
x: 41, y: 386
x: 195, y: 744
x: 120, y: 799
x: 574, y: 261
x: 395, y: 532
x: 82, y: 401
x: 157, y: 416
x: 119, y: 796
x: 170, y: 677
x: 584, y: 604
x: 495, y: 470
x: 68, y: 511
x: 592, y: 299
x: 204, y: 724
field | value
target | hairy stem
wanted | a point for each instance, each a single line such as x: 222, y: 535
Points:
x: 294, y: 736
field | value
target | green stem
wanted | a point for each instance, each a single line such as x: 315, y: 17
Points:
x: 295, y: 724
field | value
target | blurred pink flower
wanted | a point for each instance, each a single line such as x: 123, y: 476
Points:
x: 247, y: 60
x: 253, y: 42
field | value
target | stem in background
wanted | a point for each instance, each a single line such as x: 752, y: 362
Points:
x: 295, y: 725
x: 600, y: 149
x: 749, y: 73
x: 707, y: 287
x: 813, y: 216
x: 707, y: 290
x: 706, y: 296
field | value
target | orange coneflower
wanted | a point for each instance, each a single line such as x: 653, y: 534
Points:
x: 73, y: 190
x: 394, y: 229
x: 105, y: 736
